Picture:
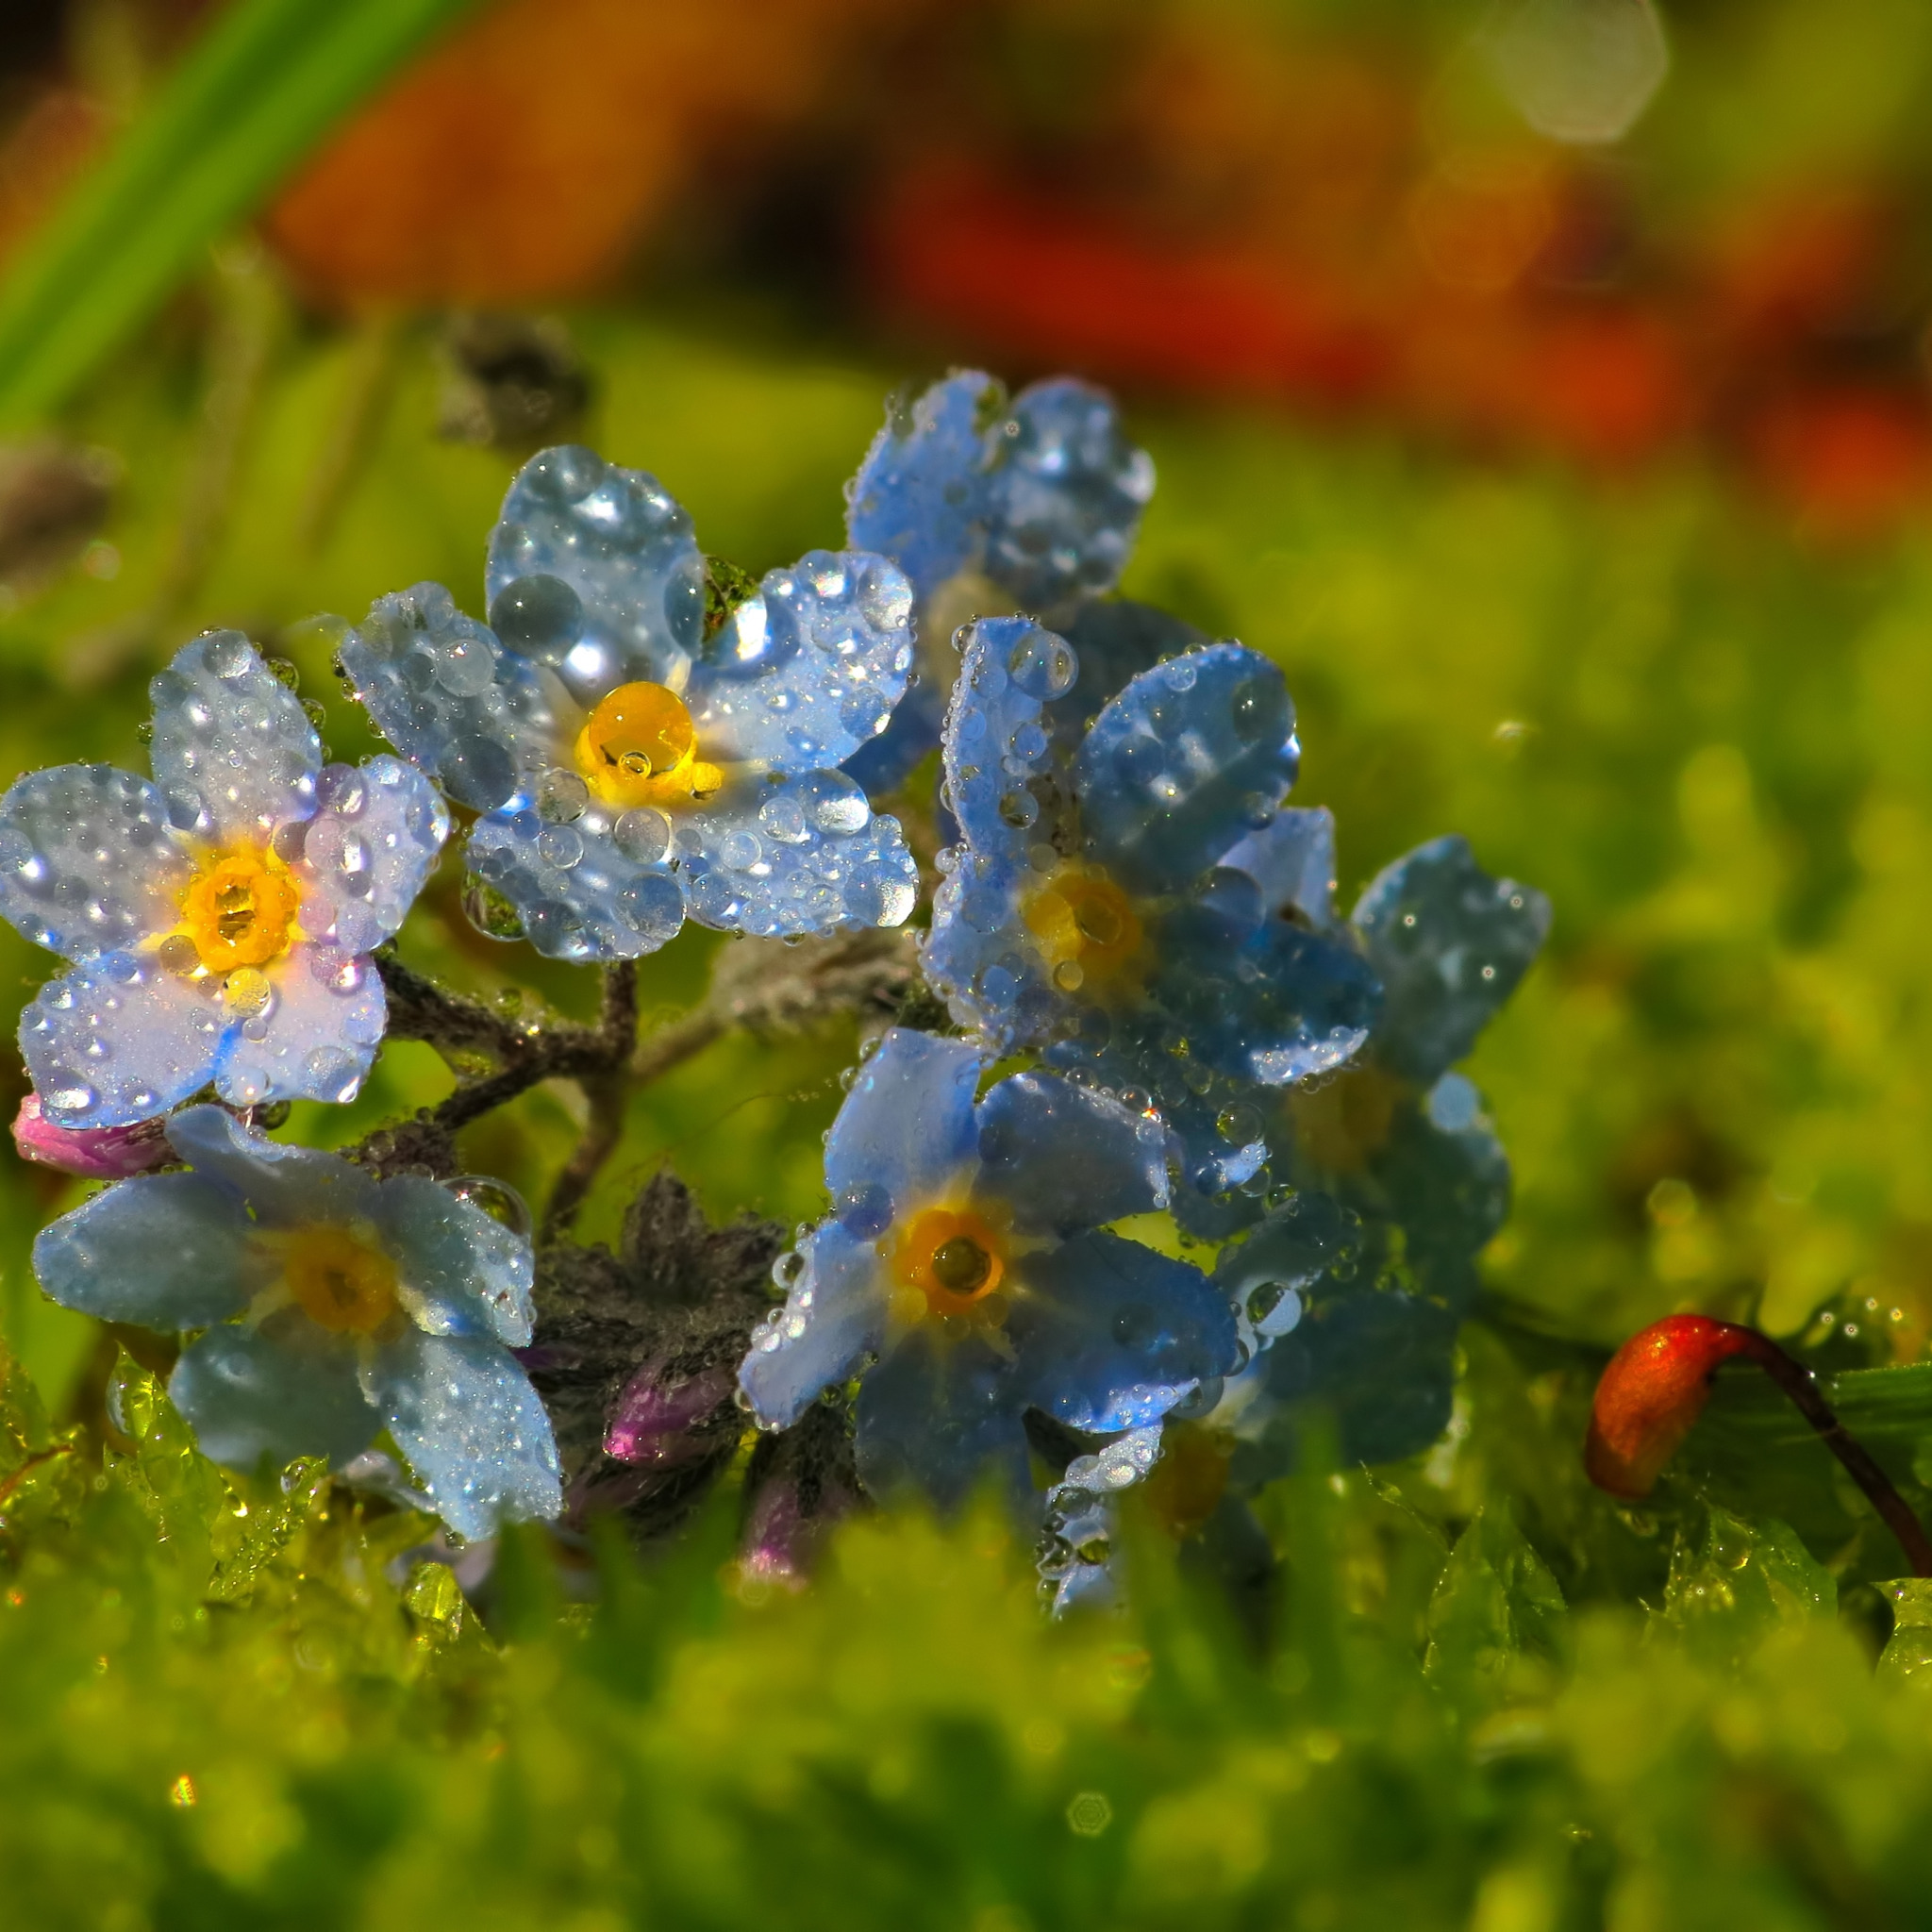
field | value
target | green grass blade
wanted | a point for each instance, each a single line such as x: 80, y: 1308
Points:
x: 245, y: 107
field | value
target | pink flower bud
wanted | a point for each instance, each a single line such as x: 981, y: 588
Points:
x: 806, y: 1484
x: 652, y: 1424
x: 95, y: 1154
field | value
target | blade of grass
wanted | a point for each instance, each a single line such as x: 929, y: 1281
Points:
x: 227, y: 128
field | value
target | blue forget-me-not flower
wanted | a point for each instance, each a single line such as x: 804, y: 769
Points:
x: 335, y: 1305
x: 219, y: 918
x: 1101, y: 890
x: 629, y: 769
x: 967, y: 1251
x: 991, y: 508
x: 1360, y: 1273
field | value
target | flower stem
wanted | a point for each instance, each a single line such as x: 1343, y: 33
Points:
x: 1656, y: 1384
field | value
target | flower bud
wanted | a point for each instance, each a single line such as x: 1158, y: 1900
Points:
x: 95, y: 1154
x: 655, y: 1423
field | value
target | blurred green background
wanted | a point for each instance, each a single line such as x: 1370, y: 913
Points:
x: 1543, y: 387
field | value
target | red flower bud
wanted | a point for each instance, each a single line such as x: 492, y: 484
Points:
x: 1652, y: 1391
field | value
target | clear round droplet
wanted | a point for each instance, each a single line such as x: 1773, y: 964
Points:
x: 562, y: 796
x: 67, y: 1093
x: 783, y: 819
x: 466, y: 667
x: 496, y: 1198
x: 1042, y: 665
x: 1239, y: 1123
x: 838, y: 805
x: 1019, y: 809
x: 246, y: 992
x: 644, y: 835
x: 1069, y: 976
x: 1249, y: 709
x: 864, y: 1211
x: 559, y: 845
x: 537, y: 615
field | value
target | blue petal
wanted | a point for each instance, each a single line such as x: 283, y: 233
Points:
x: 463, y: 1413
x: 443, y: 690
x: 1287, y: 1005
x: 908, y: 1125
x: 942, y: 1417
x: 378, y: 831
x: 980, y: 959
x: 1067, y: 495
x: 1110, y: 1335
x: 284, y: 1186
x: 233, y: 749
x: 887, y: 761
x: 1292, y: 860
x: 802, y: 675
x: 1445, y: 1176
x: 1066, y: 1159
x: 249, y: 1395
x: 798, y: 855
x: 1189, y: 755
x: 996, y: 759
x: 315, y: 1039
x: 922, y: 494
x: 578, y: 890
x: 623, y: 546
x: 1310, y: 1239
x: 1379, y: 1363
x: 834, y: 1316
x: 118, y: 1039
x: 1115, y: 639
x: 88, y: 861
x: 1217, y: 1128
x: 462, y: 1272
x: 163, y: 1251
x: 1449, y: 943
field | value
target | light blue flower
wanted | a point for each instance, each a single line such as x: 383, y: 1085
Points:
x: 334, y: 1305
x: 1387, y: 1182
x: 631, y: 771
x: 1096, y: 894
x: 987, y: 507
x: 219, y: 919
x: 966, y: 1251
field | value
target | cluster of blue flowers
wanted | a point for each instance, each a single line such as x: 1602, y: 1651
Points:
x: 1127, y: 905
x: 1129, y: 902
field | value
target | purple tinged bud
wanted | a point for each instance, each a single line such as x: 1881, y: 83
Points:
x: 781, y: 1534
x: 653, y: 1422
x: 95, y: 1154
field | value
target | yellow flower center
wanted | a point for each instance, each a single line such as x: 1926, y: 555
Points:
x: 949, y: 1261
x: 1085, y: 925
x: 239, y: 910
x: 639, y: 747
x: 342, y: 1281
x: 1344, y: 1123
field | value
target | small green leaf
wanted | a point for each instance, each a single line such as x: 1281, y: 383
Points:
x: 1908, y: 1651
x: 1742, y: 1582
x: 1496, y: 1603
x: 39, y: 1471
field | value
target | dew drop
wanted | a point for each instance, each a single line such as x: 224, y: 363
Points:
x: 496, y: 1198
x: 644, y: 835
x: 562, y: 796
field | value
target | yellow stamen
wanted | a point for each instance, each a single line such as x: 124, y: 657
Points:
x: 1085, y: 925
x: 1345, y: 1120
x: 639, y: 747
x: 954, y: 1257
x: 239, y: 911
x: 342, y: 1281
